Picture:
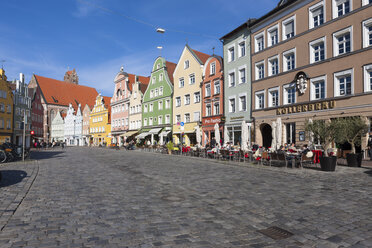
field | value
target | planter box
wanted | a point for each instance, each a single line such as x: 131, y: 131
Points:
x: 354, y: 160
x: 328, y: 163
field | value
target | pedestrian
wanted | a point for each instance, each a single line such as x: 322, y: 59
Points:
x: 370, y: 146
x: 213, y: 142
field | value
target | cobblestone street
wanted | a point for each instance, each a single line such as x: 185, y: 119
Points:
x: 91, y: 197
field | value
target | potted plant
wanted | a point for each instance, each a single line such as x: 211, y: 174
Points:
x: 325, y: 132
x: 351, y: 129
x: 170, y: 147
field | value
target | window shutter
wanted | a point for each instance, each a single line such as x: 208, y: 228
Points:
x: 289, y: 27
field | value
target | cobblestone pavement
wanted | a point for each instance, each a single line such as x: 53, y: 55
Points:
x: 91, y: 197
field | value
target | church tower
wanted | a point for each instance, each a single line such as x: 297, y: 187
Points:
x: 71, y: 77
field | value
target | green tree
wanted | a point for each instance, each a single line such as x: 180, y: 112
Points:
x: 324, y: 131
x: 351, y: 129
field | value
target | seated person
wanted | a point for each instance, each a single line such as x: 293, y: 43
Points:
x: 292, y: 148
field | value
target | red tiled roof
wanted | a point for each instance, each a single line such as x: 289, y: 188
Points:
x: 107, y: 101
x: 62, y: 93
x: 132, y: 80
x: 170, y: 68
x: 202, y: 56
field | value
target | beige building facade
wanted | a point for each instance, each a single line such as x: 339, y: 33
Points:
x: 188, y: 76
x: 310, y: 60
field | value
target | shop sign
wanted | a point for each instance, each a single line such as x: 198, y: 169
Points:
x: 237, y: 117
x: 306, y: 107
x: 211, y: 121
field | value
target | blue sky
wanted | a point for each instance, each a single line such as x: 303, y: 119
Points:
x: 46, y: 37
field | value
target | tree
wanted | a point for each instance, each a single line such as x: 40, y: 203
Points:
x: 351, y: 129
x: 324, y: 131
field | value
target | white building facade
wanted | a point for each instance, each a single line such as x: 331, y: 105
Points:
x: 70, y: 126
x: 78, y: 137
x: 57, y: 130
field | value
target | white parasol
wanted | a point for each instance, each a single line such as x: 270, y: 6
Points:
x: 198, y: 136
x: 274, y: 131
x: 244, y: 140
x: 226, y: 137
x: 217, y: 134
x: 279, y: 132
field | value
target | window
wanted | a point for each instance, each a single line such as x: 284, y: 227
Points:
x: 167, y: 104
x: 178, y: 101
x: 150, y: 121
x: 342, y: 42
x: 289, y: 28
x: 156, y: 92
x: 343, y: 83
x: 181, y: 83
x: 231, y: 54
x: 260, y: 70
x: 317, y: 50
x: 9, y: 108
x: 208, y: 110
x: 196, y: 97
x: 243, y: 103
x: 216, y: 87
x: 259, y: 42
x: 161, y: 77
x: 186, y: 64
x: 207, y: 90
x: 187, y: 118
x: 367, y: 33
x: 274, y: 65
x: 273, y: 97
x: 289, y: 93
x: 213, y: 68
x: 367, y: 78
x: 260, y: 99
x: 216, y: 108
x: 318, y: 88
x: 242, y: 79
x: 272, y: 34
x: 160, y: 120
x: 341, y: 7
x: 316, y: 15
x: 232, y: 79
x: 187, y: 99
x: 197, y: 116
x: 289, y: 60
x: 151, y: 107
x: 153, y: 80
x: 192, y: 79
x: 242, y: 49
x: 160, y: 105
x: 151, y: 93
x: 178, y: 118
x: 365, y: 2
x: 167, y: 119
x: 290, y: 132
x: 232, y: 105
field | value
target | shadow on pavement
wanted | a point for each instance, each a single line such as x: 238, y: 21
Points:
x: 10, y: 177
x: 45, y: 154
x: 369, y: 172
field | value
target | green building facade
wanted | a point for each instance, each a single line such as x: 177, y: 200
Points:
x: 158, y: 104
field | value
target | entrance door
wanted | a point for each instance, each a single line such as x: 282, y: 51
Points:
x: 266, y: 133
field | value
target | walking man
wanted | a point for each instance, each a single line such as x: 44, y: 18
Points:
x: 370, y: 146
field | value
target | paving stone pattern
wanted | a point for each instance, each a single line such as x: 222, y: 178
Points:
x: 96, y: 197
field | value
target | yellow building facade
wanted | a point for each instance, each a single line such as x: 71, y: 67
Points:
x: 6, y: 109
x: 99, y: 122
x: 187, y: 96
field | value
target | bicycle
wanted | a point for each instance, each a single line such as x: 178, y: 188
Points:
x: 3, y: 156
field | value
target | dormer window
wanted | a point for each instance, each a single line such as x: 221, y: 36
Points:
x: 186, y: 64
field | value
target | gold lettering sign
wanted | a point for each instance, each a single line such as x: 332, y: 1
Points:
x: 306, y: 107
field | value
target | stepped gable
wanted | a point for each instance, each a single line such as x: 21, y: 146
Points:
x: 170, y: 69
x: 202, y: 56
x: 132, y: 80
x: 62, y: 93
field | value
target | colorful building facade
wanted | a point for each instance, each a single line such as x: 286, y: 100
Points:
x: 85, y: 132
x: 6, y: 109
x: 37, y: 112
x: 157, y: 104
x: 57, y: 132
x: 212, y: 99
x: 188, y: 76
x: 100, y: 121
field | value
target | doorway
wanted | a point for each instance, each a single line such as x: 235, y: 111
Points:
x: 266, y: 133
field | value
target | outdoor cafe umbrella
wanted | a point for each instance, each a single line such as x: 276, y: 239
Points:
x: 244, y: 144
x: 279, y: 133
x: 274, y: 134
x: 161, y: 139
x: 198, y: 136
x: 217, y: 134
x: 225, y: 136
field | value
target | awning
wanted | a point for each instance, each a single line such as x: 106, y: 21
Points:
x: 164, y: 133
x: 155, y: 130
x: 142, y: 135
x: 130, y: 133
x: 179, y: 132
